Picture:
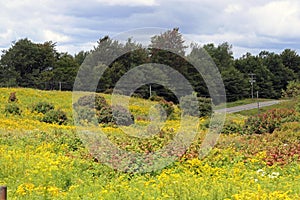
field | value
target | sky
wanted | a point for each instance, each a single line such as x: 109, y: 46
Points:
x: 75, y: 25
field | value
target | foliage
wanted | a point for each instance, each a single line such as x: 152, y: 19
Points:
x: 12, y: 108
x: 122, y: 116
x: 55, y: 116
x: 269, y: 121
x: 92, y: 101
x: 49, y: 161
x: 166, y: 107
x: 292, y: 90
x: 39, y: 65
x: 115, y: 115
x: 42, y: 107
x: 188, y: 103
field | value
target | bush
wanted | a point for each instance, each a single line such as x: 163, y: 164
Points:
x: 86, y: 115
x: 105, y: 115
x: 231, y: 127
x: 156, y: 98
x: 42, y: 107
x: 189, y: 102
x: 269, y: 121
x: 55, y: 117
x: 115, y: 115
x: 167, y: 106
x: 292, y: 90
x: 12, y: 109
x: 111, y: 90
x: 122, y: 116
x: 92, y: 101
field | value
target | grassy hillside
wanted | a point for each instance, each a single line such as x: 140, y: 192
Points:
x: 49, y: 161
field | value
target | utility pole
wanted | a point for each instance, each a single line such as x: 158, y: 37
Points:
x: 252, y: 81
x: 257, y: 102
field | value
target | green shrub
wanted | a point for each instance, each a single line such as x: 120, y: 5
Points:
x: 55, y: 117
x: 12, y: 108
x: 231, y: 127
x: 189, y: 102
x: 156, y: 98
x: 122, y: 116
x: 115, y: 115
x: 105, y: 115
x: 92, y: 101
x: 167, y: 106
x: 85, y: 115
x: 269, y: 121
x: 292, y: 90
x: 42, y: 107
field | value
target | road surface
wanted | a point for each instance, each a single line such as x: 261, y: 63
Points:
x: 247, y: 107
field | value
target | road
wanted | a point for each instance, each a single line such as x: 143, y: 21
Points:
x: 247, y: 107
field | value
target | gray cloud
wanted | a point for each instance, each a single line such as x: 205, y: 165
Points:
x: 76, y: 25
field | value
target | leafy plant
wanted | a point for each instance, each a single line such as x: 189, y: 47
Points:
x: 115, y: 115
x: 55, y: 117
x: 292, y: 90
x: 92, y: 101
x: 122, y: 116
x: 269, y: 121
x: 189, y: 102
x: 42, y: 107
x: 12, y: 108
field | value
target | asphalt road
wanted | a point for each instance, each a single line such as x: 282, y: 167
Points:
x: 247, y: 106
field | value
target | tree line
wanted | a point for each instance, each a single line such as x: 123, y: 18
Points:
x: 40, y: 65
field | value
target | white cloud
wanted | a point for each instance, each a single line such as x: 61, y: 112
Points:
x: 278, y: 18
x: 232, y: 8
x: 129, y: 2
x: 75, y: 25
x: 50, y: 35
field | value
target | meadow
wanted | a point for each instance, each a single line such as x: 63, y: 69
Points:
x: 41, y: 160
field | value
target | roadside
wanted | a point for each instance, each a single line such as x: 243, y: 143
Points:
x: 248, y: 106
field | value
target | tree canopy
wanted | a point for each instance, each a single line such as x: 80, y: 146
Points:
x: 40, y: 65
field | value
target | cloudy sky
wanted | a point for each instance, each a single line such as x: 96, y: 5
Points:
x: 250, y: 26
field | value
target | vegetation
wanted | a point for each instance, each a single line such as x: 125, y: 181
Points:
x: 39, y: 65
x: 42, y: 107
x: 49, y: 161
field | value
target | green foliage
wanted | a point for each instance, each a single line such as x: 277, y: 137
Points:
x: 12, y: 108
x: 166, y: 107
x: 122, y: 116
x: 292, y: 90
x: 42, y: 107
x: 25, y: 60
x: 267, y: 122
x: 92, y: 101
x: 55, y: 117
x: 85, y: 115
x: 191, y: 101
x: 104, y: 115
x: 231, y: 127
x: 115, y: 115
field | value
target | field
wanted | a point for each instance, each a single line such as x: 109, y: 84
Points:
x: 39, y: 160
